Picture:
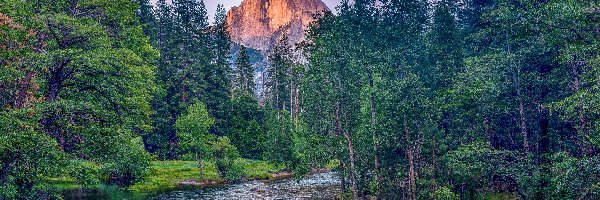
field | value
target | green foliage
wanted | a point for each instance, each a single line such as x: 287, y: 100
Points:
x: 279, y: 134
x: 246, y: 131
x: 444, y: 193
x: 244, y: 73
x: 86, y: 78
x: 225, y: 156
x: 574, y: 178
x: 472, y: 165
x: 166, y: 175
x: 28, y: 157
x: 193, y: 66
x: 193, y: 130
x: 84, y: 173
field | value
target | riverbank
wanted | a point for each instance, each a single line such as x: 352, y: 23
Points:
x: 169, y: 175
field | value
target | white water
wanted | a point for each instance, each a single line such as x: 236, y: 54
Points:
x: 318, y: 186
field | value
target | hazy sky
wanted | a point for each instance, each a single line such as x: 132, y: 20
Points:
x: 211, y: 5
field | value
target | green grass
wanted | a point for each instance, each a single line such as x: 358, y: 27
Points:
x: 165, y: 175
x: 254, y: 169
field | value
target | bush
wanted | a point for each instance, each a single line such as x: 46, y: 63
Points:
x: 478, y: 166
x: 225, y: 158
x: 121, y: 156
x: 84, y: 173
x: 27, y: 157
x: 574, y: 178
x: 445, y: 193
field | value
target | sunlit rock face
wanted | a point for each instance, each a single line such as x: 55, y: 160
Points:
x: 259, y: 23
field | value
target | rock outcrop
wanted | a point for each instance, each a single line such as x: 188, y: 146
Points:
x: 258, y: 24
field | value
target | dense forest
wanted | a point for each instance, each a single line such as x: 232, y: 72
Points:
x: 412, y: 99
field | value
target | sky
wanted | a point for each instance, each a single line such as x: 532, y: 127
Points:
x: 211, y: 5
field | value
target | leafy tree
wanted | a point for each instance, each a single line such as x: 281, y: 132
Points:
x: 92, y: 61
x: 193, y: 130
x: 278, y: 74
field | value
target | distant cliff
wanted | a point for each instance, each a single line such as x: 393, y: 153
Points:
x: 258, y: 24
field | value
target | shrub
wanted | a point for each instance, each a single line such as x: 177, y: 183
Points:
x: 225, y: 155
x: 445, y: 193
x: 574, y: 178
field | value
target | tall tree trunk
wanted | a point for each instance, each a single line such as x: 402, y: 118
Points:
x: 343, y: 175
x: 297, y: 105
x: 523, y: 124
x: 372, y: 128
x: 55, y: 84
x: 183, y: 89
x: 291, y: 101
x: 411, y: 174
x: 351, y: 161
x: 522, y: 117
x: 576, y: 87
x: 544, y: 146
x: 350, y: 147
x: 433, y: 162
x: 412, y: 180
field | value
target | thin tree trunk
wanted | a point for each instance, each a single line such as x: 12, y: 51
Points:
x: 411, y: 174
x: 544, y: 146
x: 200, y: 166
x: 412, y: 188
x: 343, y: 175
x: 582, y: 119
x: 297, y: 105
x: 291, y: 101
x: 433, y: 162
x: 523, y: 122
x: 523, y: 125
x: 351, y: 154
x: 373, y: 124
x: 183, y: 89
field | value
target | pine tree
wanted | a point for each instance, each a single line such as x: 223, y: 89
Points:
x: 162, y: 140
x: 218, y: 75
x: 146, y: 17
x: 278, y: 74
x: 245, y: 73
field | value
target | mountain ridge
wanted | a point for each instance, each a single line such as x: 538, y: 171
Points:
x: 258, y: 24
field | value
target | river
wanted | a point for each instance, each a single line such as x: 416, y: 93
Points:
x: 317, y: 186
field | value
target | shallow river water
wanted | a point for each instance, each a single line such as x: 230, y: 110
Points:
x: 318, y: 186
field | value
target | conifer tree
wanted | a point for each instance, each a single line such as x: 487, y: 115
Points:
x: 146, y: 16
x: 218, y: 75
x: 245, y: 73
